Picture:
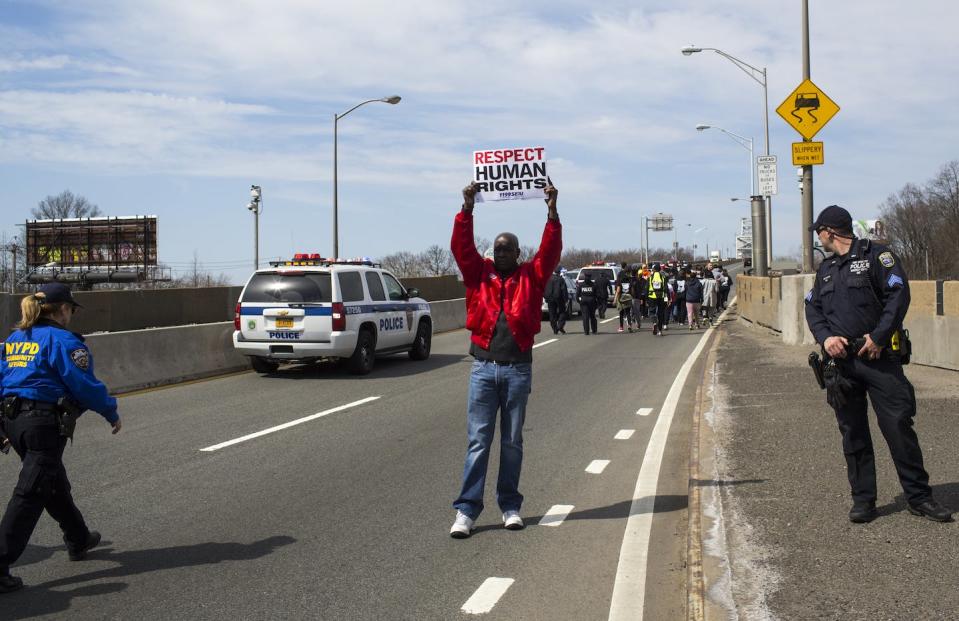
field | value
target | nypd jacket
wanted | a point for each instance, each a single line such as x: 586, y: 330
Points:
x: 47, y: 362
x: 523, y: 295
x: 862, y: 292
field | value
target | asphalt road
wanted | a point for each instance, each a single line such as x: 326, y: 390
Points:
x: 347, y: 516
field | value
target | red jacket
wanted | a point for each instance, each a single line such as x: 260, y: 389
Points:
x: 523, y: 301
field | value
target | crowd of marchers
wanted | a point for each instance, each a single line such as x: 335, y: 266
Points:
x: 661, y: 293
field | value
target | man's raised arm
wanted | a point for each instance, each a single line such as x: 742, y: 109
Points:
x: 551, y: 246
x: 464, y: 248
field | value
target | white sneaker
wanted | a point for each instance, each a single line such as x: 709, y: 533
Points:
x: 512, y: 520
x: 462, y: 526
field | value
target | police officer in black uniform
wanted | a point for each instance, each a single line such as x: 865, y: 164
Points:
x: 557, y: 301
x: 861, y: 294
x: 46, y: 382
x: 586, y: 296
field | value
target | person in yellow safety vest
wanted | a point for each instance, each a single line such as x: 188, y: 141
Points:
x: 658, y: 298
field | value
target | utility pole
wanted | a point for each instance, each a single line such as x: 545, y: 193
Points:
x: 807, y: 185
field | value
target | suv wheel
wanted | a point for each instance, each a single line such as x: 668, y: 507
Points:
x: 263, y: 365
x: 422, y: 342
x: 361, y: 362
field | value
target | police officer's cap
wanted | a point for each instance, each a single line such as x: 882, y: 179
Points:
x: 834, y: 217
x: 56, y: 293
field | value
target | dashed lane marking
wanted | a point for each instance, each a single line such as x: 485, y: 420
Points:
x: 610, y: 319
x: 292, y: 423
x: 597, y: 466
x: 624, y: 434
x: 629, y: 587
x: 644, y: 411
x: 556, y: 515
x: 487, y: 596
x: 544, y: 343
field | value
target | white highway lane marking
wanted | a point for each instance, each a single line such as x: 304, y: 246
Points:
x: 544, y: 343
x: 644, y: 411
x: 610, y: 319
x: 485, y: 597
x: 292, y: 423
x: 597, y: 466
x: 629, y: 588
x: 624, y: 434
x: 556, y: 515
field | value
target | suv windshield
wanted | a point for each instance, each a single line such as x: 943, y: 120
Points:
x: 595, y: 273
x: 289, y: 288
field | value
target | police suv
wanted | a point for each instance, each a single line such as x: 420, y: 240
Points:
x: 312, y: 309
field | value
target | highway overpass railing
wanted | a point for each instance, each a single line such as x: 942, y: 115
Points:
x: 933, y: 319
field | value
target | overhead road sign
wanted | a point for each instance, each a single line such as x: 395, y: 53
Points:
x: 808, y: 154
x: 766, y: 173
x: 807, y: 109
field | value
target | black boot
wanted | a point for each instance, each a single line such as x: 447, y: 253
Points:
x: 863, y: 512
x: 78, y: 553
x: 931, y: 510
x: 9, y: 584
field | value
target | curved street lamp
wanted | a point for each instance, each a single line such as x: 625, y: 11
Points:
x: 746, y: 143
x: 759, y: 76
x: 393, y: 100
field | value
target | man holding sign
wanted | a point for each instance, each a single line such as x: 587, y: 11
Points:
x: 503, y: 312
x: 510, y: 174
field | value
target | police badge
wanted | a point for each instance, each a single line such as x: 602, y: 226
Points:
x: 887, y: 259
x: 81, y: 358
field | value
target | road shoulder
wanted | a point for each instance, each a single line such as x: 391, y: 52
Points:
x: 776, y: 537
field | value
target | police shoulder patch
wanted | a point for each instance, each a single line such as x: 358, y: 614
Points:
x: 81, y: 358
x: 887, y: 259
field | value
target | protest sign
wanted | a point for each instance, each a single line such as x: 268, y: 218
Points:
x: 510, y: 174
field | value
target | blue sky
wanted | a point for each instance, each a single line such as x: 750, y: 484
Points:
x: 174, y: 108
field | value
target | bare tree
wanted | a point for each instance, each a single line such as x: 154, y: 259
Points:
x: 438, y: 261
x: 922, y: 224
x: 65, y: 205
x: 403, y: 264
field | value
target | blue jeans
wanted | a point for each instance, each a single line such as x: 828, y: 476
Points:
x: 495, y: 388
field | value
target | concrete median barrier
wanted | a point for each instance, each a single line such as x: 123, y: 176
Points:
x: 448, y: 315
x: 137, y: 359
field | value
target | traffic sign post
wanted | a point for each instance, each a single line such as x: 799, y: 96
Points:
x: 807, y: 109
x: 766, y: 173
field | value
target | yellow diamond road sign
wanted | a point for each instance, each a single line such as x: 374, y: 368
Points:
x: 807, y: 109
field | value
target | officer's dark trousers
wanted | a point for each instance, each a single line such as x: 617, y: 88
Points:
x: 894, y: 401
x: 660, y: 307
x: 557, y: 315
x: 42, y: 485
x: 601, y: 305
x: 588, y: 311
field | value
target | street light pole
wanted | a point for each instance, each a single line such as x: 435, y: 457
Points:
x: 393, y: 100
x: 752, y: 72
x: 746, y: 143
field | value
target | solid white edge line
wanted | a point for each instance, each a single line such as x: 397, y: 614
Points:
x: 544, y: 343
x: 292, y: 423
x: 487, y: 595
x: 644, y: 411
x: 556, y: 515
x: 629, y: 588
x: 597, y: 466
x: 624, y: 434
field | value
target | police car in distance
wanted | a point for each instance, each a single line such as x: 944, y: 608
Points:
x: 312, y: 309
x: 609, y: 270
